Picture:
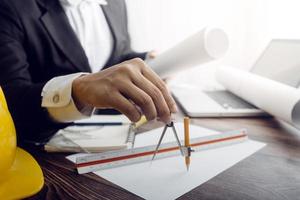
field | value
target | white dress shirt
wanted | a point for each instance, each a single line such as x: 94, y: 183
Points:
x: 90, y: 26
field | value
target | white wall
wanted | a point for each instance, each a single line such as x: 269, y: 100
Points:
x: 283, y: 18
x: 250, y: 24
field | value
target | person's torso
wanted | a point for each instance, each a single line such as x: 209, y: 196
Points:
x: 51, y: 46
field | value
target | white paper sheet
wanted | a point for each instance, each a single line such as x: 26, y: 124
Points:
x: 278, y: 99
x: 204, y: 46
x: 167, y: 178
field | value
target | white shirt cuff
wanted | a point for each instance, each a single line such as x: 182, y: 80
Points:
x: 57, y: 98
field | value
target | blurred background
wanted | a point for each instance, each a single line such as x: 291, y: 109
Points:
x: 250, y: 25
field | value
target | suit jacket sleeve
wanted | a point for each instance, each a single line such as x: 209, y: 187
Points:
x: 23, y: 95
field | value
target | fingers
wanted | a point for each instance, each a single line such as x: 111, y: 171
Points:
x: 155, y: 79
x: 145, y: 79
x: 140, y: 98
x: 152, y: 54
x: 120, y: 103
x: 162, y: 109
x: 132, y: 88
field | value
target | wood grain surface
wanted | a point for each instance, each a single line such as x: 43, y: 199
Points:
x: 271, y: 173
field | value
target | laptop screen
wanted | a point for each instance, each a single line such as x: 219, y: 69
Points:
x: 280, y: 61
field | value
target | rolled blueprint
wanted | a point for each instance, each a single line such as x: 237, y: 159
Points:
x: 277, y: 99
x: 204, y: 46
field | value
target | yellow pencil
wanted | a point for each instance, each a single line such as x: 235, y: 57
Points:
x: 141, y: 122
x: 187, y: 141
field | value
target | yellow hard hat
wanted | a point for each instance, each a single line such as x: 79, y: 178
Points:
x: 20, y: 174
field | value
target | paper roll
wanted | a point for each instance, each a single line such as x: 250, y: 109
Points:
x: 204, y: 46
x: 278, y: 99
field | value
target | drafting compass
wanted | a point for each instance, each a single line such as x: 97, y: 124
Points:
x: 183, y: 150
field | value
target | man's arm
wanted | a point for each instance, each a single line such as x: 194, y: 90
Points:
x: 23, y: 96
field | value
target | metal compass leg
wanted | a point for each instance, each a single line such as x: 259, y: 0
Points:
x: 177, y: 139
x: 159, y: 142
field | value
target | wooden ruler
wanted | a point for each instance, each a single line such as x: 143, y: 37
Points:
x: 110, y: 159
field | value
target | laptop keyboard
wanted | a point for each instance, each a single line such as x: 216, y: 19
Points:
x: 228, y: 100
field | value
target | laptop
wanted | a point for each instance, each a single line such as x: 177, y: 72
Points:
x: 279, y: 61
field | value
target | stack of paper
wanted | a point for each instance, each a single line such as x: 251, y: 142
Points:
x: 92, y: 138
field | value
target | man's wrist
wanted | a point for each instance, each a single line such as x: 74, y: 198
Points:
x: 76, y: 85
x: 57, y: 98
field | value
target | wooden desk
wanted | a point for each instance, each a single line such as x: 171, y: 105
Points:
x: 272, y: 173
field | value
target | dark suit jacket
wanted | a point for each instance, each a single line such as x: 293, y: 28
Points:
x: 37, y: 44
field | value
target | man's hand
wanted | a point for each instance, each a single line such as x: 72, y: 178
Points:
x: 129, y: 87
x: 151, y: 54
